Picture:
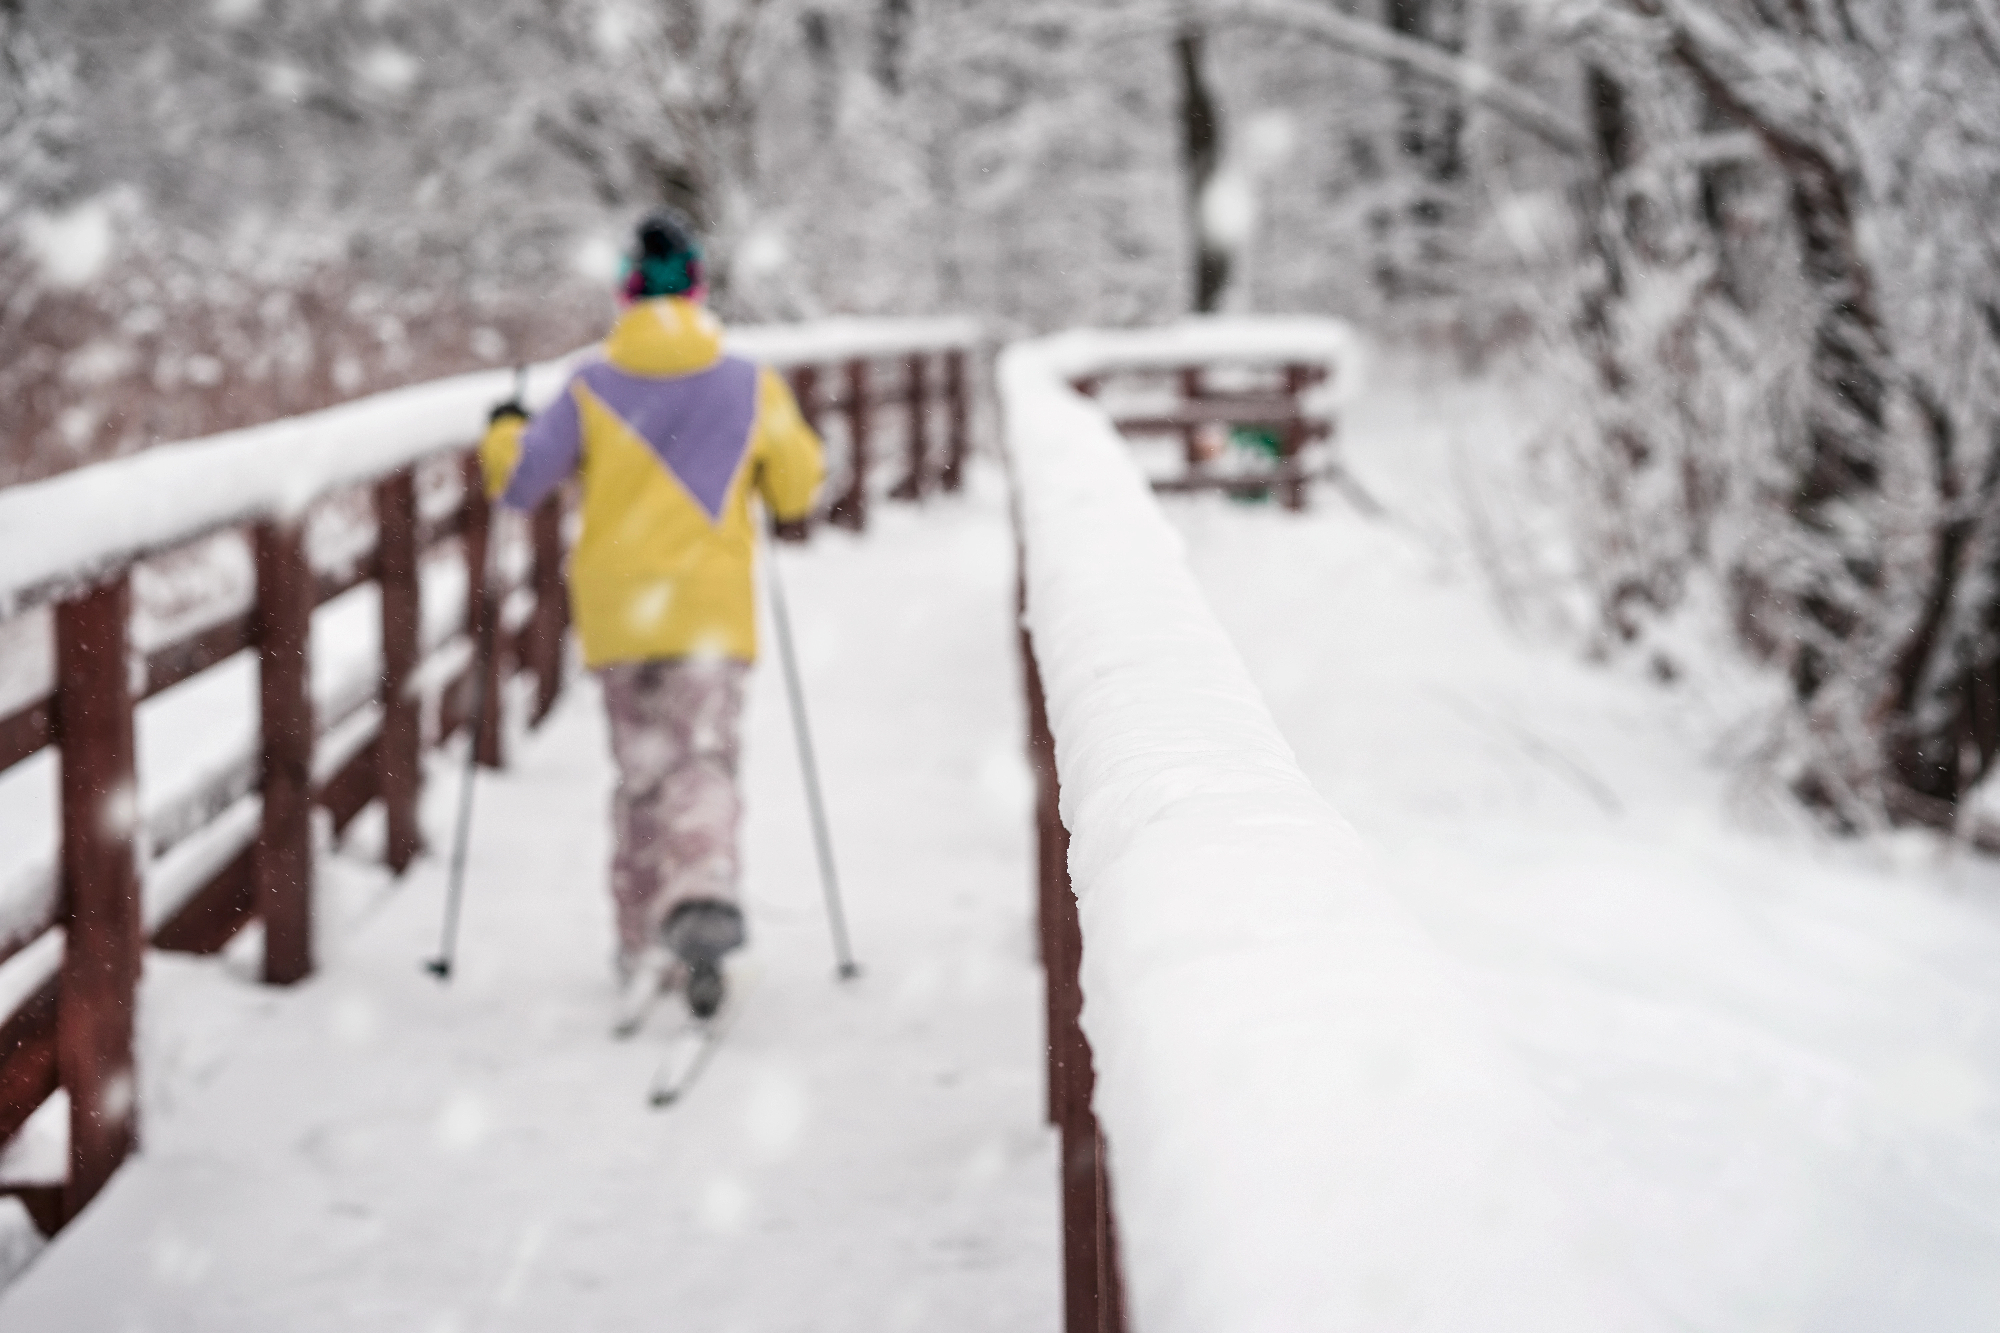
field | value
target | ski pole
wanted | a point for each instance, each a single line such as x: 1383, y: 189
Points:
x: 487, y: 613
x: 822, y: 840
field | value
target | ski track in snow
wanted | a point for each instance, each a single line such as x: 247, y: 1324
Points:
x: 1775, y: 1058
x: 375, y: 1150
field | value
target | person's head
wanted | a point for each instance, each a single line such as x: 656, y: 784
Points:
x: 665, y: 259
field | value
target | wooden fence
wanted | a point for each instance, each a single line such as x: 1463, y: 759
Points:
x: 247, y: 854
x: 1275, y: 402
x: 1058, y: 461
x: 75, y: 1032
x: 860, y: 390
x: 1093, y: 1287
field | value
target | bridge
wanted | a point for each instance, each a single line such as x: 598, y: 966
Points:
x: 1148, y: 1035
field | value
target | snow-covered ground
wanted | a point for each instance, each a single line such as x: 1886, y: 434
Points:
x: 373, y: 1150
x: 1775, y: 1057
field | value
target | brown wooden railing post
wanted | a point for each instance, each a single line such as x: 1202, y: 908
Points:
x: 961, y: 420
x: 551, y: 607
x: 482, y: 612
x: 851, y: 510
x: 1110, y: 1280
x: 284, y: 842
x: 911, y: 487
x: 1293, y: 442
x: 399, y: 750
x: 100, y: 967
x: 1092, y: 1288
x: 805, y: 389
x: 1192, y: 390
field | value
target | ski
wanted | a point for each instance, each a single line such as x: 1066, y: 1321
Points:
x: 688, y: 1053
x: 655, y: 977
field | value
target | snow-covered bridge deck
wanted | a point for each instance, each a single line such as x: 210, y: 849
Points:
x: 374, y: 1150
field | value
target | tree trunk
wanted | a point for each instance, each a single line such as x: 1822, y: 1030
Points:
x: 1201, y: 154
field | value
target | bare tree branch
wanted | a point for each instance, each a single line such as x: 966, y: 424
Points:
x: 1372, y: 41
x: 1985, y: 16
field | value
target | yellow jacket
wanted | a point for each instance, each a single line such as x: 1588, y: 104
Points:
x: 669, y: 437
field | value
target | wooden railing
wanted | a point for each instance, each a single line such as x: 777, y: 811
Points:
x: 1268, y: 370
x: 74, y: 1031
x: 1276, y: 1101
x: 186, y: 869
x: 1204, y: 416
x: 914, y: 377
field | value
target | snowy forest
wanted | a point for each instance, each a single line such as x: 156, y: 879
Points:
x: 1746, y: 245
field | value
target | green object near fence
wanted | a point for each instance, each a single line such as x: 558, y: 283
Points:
x: 1264, y: 442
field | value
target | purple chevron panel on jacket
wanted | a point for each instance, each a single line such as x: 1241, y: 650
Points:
x: 697, y: 425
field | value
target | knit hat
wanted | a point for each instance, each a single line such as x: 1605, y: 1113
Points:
x: 665, y: 258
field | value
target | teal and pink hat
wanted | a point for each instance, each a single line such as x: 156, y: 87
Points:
x: 665, y: 259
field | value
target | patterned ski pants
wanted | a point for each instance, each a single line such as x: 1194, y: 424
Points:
x: 674, y: 735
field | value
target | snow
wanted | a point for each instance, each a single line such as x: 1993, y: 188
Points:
x: 373, y: 1149
x: 1216, y: 340
x: 73, y: 247
x: 846, y: 338
x: 60, y: 532
x: 197, y: 752
x: 1308, y: 1122
x: 1773, y: 1055
x: 1549, y: 1026
x: 176, y: 877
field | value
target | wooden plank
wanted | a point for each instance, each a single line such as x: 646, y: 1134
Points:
x: 348, y: 792
x: 28, y: 1068
x: 44, y: 1204
x: 960, y: 415
x: 26, y: 731
x: 1173, y: 368
x: 1293, y: 441
x: 1082, y: 1262
x: 1262, y: 410
x: 805, y: 390
x: 173, y: 663
x: 284, y: 866
x: 851, y: 510
x: 215, y: 912
x: 99, y: 978
x: 1236, y: 483
x: 399, y: 749
x: 911, y: 487
x: 1051, y: 856
x: 482, y: 614
x: 1110, y: 1276
x: 326, y: 587
x: 551, y: 607
x: 1193, y: 390
x: 1093, y: 1299
x: 440, y: 528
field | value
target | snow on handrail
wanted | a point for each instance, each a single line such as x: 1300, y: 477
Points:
x: 72, y: 528
x: 1308, y: 1126
x: 846, y: 338
x: 1210, y: 340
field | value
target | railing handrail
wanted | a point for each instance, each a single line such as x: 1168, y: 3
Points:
x: 60, y: 534
x: 1302, y: 1112
x: 1208, y: 340
x: 845, y: 337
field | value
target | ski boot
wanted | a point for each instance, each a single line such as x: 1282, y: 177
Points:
x: 700, y: 931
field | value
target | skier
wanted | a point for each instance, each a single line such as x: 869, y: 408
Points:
x: 670, y: 436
